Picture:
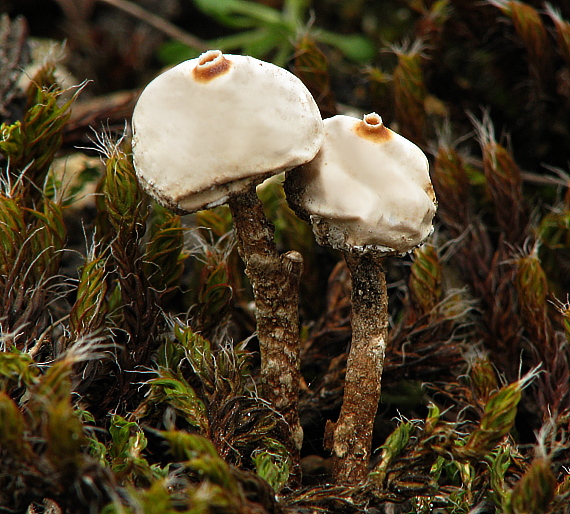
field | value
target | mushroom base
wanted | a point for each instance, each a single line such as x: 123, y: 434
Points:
x: 350, y: 438
x: 275, y: 282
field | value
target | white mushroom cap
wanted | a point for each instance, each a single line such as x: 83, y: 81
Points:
x: 213, y: 126
x: 368, y: 188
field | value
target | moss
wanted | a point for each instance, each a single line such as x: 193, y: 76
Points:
x: 128, y: 383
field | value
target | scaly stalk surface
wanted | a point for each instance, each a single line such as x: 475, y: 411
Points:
x: 351, y: 435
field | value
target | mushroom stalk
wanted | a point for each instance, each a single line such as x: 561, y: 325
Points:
x: 352, y: 434
x: 275, y: 281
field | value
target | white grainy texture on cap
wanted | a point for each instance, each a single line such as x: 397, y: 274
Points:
x: 368, y: 189
x: 209, y: 127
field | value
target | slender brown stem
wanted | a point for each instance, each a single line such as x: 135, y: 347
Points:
x: 275, y: 282
x: 352, y: 434
x: 158, y: 23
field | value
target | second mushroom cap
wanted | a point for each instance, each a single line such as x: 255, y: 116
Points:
x: 368, y: 189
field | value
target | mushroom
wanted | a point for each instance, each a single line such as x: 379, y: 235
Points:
x: 367, y: 193
x: 207, y: 132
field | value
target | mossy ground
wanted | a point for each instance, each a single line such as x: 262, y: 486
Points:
x: 128, y: 370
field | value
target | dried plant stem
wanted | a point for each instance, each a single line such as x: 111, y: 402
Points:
x: 158, y: 23
x: 275, y: 282
x: 351, y: 435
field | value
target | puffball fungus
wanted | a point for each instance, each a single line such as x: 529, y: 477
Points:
x: 209, y: 127
x: 368, y: 189
x: 207, y: 132
x: 368, y: 194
